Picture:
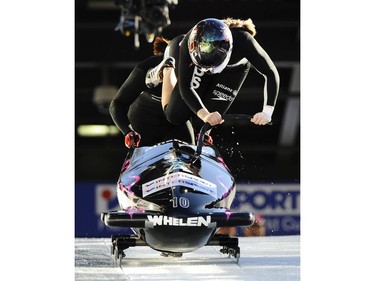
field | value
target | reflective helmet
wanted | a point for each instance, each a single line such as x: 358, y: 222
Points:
x: 210, y: 45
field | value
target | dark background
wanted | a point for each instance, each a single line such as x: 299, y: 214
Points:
x: 253, y: 153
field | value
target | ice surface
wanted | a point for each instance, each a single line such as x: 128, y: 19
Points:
x: 262, y: 259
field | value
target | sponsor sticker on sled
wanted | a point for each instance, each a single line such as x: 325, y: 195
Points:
x: 190, y: 221
x: 179, y: 178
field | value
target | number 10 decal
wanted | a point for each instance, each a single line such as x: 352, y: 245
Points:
x: 182, y: 201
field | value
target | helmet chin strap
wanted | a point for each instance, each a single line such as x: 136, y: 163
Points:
x: 205, y: 69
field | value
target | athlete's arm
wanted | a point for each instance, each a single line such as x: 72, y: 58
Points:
x: 263, y: 64
x: 127, y: 94
x: 188, y: 81
x: 189, y: 78
x: 261, y: 61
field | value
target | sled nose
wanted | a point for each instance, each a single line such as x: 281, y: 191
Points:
x: 201, y: 219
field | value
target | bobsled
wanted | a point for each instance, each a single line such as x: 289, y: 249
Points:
x: 175, y: 196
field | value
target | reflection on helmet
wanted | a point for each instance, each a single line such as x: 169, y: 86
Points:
x: 210, y: 45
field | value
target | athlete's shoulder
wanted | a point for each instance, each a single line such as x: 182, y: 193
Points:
x: 177, y: 39
x: 150, y: 62
x: 241, y: 35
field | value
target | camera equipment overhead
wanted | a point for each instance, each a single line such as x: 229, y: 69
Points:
x: 147, y: 17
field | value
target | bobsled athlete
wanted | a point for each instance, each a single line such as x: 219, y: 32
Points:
x: 136, y: 109
x: 211, y: 63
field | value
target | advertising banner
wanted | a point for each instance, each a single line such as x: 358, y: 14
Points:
x: 91, y: 199
x: 277, y: 205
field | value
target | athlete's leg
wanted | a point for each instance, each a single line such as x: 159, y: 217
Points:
x: 169, y: 82
x: 175, y: 109
x: 154, y: 75
x: 169, y: 73
x: 147, y: 118
x: 182, y: 132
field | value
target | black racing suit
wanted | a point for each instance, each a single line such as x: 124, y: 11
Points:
x: 140, y: 107
x: 196, y: 89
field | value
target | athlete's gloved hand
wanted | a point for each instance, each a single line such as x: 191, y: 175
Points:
x: 132, y: 139
x: 264, y: 117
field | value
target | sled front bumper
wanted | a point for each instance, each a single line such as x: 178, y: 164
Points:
x: 201, y: 219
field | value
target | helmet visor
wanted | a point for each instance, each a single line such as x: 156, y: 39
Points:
x: 212, y: 54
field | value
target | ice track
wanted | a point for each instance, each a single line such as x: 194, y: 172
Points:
x: 262, y: 259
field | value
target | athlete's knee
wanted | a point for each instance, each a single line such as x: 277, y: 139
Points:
x: 172, y: 118
x: 168, y: 115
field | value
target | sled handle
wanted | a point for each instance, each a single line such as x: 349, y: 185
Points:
x: 203, y: 130
x: 207, y: 126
